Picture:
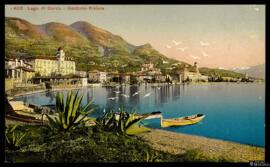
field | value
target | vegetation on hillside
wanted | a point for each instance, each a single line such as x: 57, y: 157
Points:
x: 220, y: 73
x: 89, y: 46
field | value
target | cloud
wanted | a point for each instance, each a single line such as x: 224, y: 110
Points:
x: 168, y: 46
x: 204, y: 53
x: 194, y: 57
x: 176, y: 43
x: 182, y: 49
x: 204, y: 43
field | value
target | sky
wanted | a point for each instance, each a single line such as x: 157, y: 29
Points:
x: 216, y: 36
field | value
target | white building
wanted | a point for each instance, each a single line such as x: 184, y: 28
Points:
x: 81, y: 73
x: 84, y: 81
x: 18, y: 70
x: 52, y: 65
x: 191, y: 74
x: 97, y: 76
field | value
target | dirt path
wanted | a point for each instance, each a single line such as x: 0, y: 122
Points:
x: 179, y: 143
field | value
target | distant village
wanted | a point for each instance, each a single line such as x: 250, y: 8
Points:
x: 57, y: 70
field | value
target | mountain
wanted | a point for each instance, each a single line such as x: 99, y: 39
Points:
x: 91, y: 47
x: 220, y: 72
x: 102, y: 37
x: 253, y: 71
x: 62, y: 33
x: 20, y: 28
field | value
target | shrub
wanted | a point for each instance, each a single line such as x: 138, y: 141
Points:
x: 13, y: 139
x: 117, y: 122
x: 71, y: 114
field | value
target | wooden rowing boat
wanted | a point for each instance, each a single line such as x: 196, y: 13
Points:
x: 182, y: 120
x: 152, y: 115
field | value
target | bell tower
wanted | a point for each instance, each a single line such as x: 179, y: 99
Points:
x: 196, y: 67
x: 61, y: 58
x: 61, y: 54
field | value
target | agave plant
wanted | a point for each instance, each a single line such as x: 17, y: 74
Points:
x: 107, y: 121
x: 13, y: 139
x: 71, y: 114
x: 150, y: 155
x: 118, y: 122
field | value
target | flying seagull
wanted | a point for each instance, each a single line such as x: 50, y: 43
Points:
x: 204, y: 43
x: 126, y: 96
x: 112, y: 98
x: 136, y: 93
x: 147, y: 94
x: 194, y: 57
x: 176, y: 43
x: 204, y: 54
x: 169, y: 47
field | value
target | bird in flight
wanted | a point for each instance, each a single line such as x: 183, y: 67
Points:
x: 204, y: 53
x: 195, y: 57
x: 176, y: 43
x: 126, y: 96
x: 204, y: 43
x: 147, y: 94
x: 135, y: 93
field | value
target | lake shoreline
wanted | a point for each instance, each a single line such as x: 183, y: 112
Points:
x: 180, y: 143
x: 149, y: 84
x: 200, y: 131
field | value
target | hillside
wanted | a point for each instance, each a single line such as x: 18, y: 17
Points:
x: 254, y: 71
x: 220, y: 72
x: 89, y: 46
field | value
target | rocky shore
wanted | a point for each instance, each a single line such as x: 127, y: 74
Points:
x: 177, y: 143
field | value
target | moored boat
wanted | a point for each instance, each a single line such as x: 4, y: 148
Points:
x: 152, y: 115
x: 182, y: 121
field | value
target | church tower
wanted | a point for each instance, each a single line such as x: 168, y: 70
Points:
x: 196, y: 67
x: 60, y: 54
x: 61, y: 58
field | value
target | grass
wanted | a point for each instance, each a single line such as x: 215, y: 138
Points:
x: 137, y: 130
x: 87, y: 145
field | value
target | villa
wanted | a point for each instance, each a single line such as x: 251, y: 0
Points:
x: 97, y: 76
x: 81, y: 73
x: 53, y: 65
x: 18, y: 70
x: 191, y: 74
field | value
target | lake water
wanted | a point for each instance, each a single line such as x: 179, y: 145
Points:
x: 234, y: 112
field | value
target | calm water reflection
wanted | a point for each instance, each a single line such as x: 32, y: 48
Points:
x: 234, y: 112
